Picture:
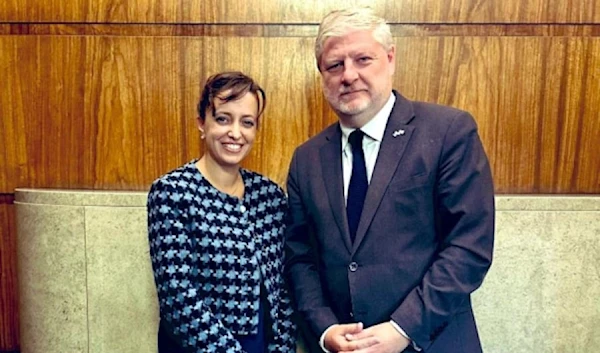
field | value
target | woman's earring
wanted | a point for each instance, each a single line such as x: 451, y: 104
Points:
x: 202, y: 136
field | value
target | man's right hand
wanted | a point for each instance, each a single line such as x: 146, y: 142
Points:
x: 335, y: 339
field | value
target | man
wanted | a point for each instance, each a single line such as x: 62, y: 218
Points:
x: 391, y: 220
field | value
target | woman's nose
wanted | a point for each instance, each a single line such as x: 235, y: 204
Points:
x: 234, y: 132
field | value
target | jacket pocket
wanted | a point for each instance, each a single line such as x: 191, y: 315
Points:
x: 412, y: 182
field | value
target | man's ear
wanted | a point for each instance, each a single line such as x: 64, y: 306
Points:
x: 391, y: 57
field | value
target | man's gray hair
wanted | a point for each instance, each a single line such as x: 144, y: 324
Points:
x: 341, y: 22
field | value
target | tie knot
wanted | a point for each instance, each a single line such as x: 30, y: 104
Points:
x: 355, y: 139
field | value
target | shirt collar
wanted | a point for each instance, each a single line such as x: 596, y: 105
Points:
x: 375, y: 128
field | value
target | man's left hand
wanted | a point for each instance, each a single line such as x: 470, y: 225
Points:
x: 390, y: 340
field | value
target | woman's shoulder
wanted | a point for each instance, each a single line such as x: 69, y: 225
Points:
x: 185, y: 171
x: 178, y: 177
x: 260, y: 181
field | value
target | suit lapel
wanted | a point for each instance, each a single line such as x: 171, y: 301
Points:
x: 395, y: 139
x: 331, y: 165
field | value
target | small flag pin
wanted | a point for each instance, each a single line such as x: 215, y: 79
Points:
x: 398, y: 133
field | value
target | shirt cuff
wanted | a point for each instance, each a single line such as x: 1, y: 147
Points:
x: 322, y: 339
x: 399, y: 329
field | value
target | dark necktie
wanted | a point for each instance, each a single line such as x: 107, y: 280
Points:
x: 357, y: 190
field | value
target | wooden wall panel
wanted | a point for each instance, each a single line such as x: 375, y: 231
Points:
x: 293, y: 11
x: 586, y: 175
x: 46, y: 97
x: 296, y: 30
x: 9, y: 325
x: 13, y: 156
x: 90, y: 112
x: 115, y: 112
x: 133, y: 104
x: 537, y: 115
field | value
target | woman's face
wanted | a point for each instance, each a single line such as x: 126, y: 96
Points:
x: 230, y: 132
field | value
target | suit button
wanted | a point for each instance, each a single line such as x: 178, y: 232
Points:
x: 353, y: 267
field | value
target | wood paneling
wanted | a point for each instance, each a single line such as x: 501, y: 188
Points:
x: 133, y: 103
x: 90, y: 112
x: 115, y: 112
x: 293, y: 11
x: 537, y: 115
x: 13, y: 156
x: 9, y: 326
x: 299, y: 30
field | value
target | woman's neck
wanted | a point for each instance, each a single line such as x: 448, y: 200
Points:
x: 227, y: 180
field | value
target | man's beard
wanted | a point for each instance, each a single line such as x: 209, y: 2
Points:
x: 355, y: 106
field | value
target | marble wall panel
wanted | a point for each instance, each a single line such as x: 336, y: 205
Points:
x: 122, y: 302
x: 52, y: 278
x: 541, y: 294
x: 86, y: 283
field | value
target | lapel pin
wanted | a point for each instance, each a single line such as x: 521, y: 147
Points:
x: 398, y: 133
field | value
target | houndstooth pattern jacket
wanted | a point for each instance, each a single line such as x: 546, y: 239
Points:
x: 210, y: 252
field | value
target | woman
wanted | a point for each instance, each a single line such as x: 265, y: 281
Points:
x: 216, y: 236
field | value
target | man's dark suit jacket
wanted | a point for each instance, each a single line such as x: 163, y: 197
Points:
x: 425, y: 237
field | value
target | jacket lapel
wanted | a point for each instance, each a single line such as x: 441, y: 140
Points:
x: 331, y: 165
x: 395, y: 139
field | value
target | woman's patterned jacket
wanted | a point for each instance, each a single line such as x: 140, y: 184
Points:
x: 210, y: 251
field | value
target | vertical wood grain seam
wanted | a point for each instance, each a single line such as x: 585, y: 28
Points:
x: 538, y: 165
x: 562, y: 104
x: 580, y: 122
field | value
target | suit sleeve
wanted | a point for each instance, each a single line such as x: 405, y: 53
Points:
x: 465, y: 228
x: 190, y: 320
x: 302, y: 259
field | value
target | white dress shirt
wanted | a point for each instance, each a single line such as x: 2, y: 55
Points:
x: 373, y: 131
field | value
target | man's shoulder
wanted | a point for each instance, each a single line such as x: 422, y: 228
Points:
x: 317, y: 141
x: 436, y: 110
x: 437, y: 116
x: 321, y: 138
x: 420, y: 113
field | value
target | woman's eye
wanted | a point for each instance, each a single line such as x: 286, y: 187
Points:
x: 248, y: 123
x: 221, y: 119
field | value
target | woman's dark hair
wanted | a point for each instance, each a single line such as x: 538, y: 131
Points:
x: 236, y: 84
